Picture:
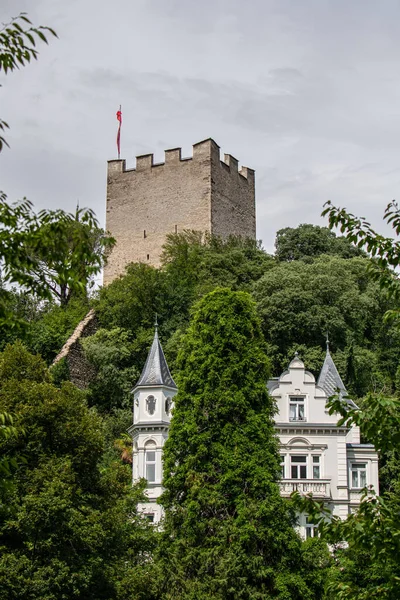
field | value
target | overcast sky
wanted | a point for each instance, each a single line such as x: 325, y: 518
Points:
x: 306, y: 92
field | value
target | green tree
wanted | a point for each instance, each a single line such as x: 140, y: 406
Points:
x: 299, y: 303
x: 7, y: 464
x: 192, y: 266
x: 227, y: 532
x: 385, y: 251
x: 18, y: 41
x: 69, y: 526
x: 53, y: 253
x: 307, y: 242
x: 373, y: 532
x: 112, y: 353
x: 196, y: 263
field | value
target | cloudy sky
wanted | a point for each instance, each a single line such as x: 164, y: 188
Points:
x: 307, y: 92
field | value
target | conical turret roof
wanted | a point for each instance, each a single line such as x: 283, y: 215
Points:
x: 156, y: 371
x: 329, y: 379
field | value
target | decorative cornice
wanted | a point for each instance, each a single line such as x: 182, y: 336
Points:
x: 148, y: 427
x: 311, y: 429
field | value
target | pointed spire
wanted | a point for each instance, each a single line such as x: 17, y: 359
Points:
x: 329, y: 379
x: 156, y: 371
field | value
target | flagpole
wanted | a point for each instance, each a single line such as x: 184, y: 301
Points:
x: 119, y: 145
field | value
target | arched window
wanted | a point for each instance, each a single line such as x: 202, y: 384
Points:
x: 151, y: 405
x: 168, y: 403
x: 150, y: 461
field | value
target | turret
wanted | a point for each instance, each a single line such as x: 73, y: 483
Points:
x: 152, y: 405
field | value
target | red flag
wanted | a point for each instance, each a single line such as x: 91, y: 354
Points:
x: 119, y: 118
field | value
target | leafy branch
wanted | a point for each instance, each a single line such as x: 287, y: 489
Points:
x: 18, y: 43
x: 17, y: 48
x: 385, y: 251
x: 52, y: 253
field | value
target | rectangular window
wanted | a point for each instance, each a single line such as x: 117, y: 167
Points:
x: 298, y: 466
x: 150, y: 517
x: 358, y: 475
x: 296, y: 409
x: 150, y: 466
x: 282, y: 457
x: 311, y: 529
x: 316, y: 467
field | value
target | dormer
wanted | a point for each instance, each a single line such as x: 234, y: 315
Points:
x: 300, y: 399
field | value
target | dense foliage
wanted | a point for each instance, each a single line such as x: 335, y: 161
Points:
x: 300, y: 303
x: 68, y: 526
x: 227, y: 531
x: 367, y: 544
x: 307, y: 242
x: 81, y: 484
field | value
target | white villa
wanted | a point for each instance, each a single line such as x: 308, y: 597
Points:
x: 317, y: 456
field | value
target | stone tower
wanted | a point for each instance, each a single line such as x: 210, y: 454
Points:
x: 152, y: 404
x: 201, y: 193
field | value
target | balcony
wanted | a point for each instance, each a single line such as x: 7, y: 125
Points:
x: 320, y: 488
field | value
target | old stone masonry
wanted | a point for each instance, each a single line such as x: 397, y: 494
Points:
x: 199, y: 193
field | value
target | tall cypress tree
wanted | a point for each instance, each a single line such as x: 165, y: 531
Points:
x: 227, y: 532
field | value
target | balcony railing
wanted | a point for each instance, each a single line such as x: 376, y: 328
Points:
x: 320, y: 488
x: 297, y: 419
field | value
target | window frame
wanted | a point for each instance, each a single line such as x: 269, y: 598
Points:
x: 316, y: 464
x: 288, y: 459
x: 297, y: 402
x: 311, y: 529
x: 150, y: 517
x: 151, y: 398
x: 282, y: 464
x: 150, y: 463
x: 357, y: 467
x: 299, y: 465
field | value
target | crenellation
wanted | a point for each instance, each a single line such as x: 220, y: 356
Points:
x: 199, y: 193
x: 116, y: 166
x: 232, y: 162
x: 173, y: 156
x: 206, y: 149
x: 144, y: 162
x: 248, y: 174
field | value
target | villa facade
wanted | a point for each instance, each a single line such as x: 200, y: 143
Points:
x: 317, y: 456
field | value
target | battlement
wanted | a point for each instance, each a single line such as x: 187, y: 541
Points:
x: 205, y: 149
x: 152, y: 200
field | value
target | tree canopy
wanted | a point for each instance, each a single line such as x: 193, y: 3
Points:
x: 307, y: 242
x: 227, y: 532
x: 68, y: 523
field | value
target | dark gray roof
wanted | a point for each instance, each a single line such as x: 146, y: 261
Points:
x: 360, y: 446
x: 272, y: 383
x: 156, y: 371
x: 329, y: 379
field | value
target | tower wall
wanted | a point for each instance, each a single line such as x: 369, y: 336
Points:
x: 149, y: 202
x: 232, y: 199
